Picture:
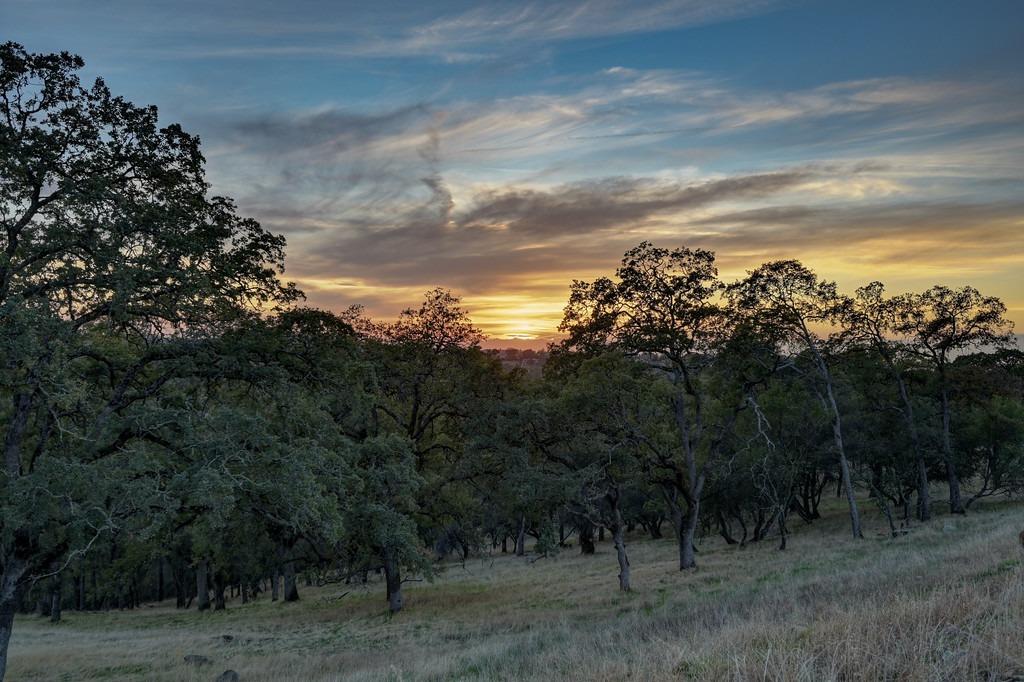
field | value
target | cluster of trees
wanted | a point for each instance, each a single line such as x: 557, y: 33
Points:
x: 175, y: 422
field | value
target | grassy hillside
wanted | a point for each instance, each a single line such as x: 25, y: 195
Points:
x: 944, y: 602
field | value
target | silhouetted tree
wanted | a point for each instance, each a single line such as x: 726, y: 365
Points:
x: 941, y: 323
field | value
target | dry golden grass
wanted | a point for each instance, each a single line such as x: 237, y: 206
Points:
x: 933, y: 605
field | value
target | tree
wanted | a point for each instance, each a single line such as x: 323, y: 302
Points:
x: 990, y: 427
x: 611, y: 421
x: 365, y: 479
x: 795, y: 302
x: 382, y: 526
x: 940, y: 324
x: 874, y: 421
x: 434, y: 382
x: 418, y: 360
x: 664, y: 308
x: 114, y: 264
x: 509, y: 464
x: 994, y: 431
x: 874, y: 320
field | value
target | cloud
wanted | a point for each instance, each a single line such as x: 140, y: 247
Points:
x: 306, y: 172
x: 911, y: 233
x: 624, y: 109
x: 453, y: 32
x: 324, y: 134
x: 498, y: 23
x: 589, y: 207
x: 442, y: 196
x: 402, y: 144
x: 513, y: 254
x: 512, y: 236
x: 508, y: 200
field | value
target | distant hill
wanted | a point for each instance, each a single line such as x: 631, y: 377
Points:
x: 529, y: 360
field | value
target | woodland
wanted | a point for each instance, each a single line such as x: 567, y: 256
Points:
x: 178, y: 426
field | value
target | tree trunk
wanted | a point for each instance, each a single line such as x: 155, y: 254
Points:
x: 619, y: 540
x: 202, y: 588
x: 182, y: 586
x: 6, y: 625
x: 760, y: 527
x: 393, y: 580
x: 291, y: 588
x: 684, y: 524
x: 782, y: 529
x: 586, y: 531
x: 883, y: 503
x: 654, y: 527
x: 687, y: 555
x: 218, y: 591
x: 23, y: 404
x: 275, y: 584
x: 691, y: 488
x: 160, y: 579
x: 955, y: 503
x: 811, y: 488
x: 521, y: 537
x: 43, y: 605
x: 13, y: 569
x: 845, y: 479
x: 675, y: 513
x: 851, y: 500
x: 80, y: 592
x: 844, y: 464
x: 924, y: 501
x: 55, y: 599
x: 725, y: 531
x: 738, y: 515
x: 924, y: 498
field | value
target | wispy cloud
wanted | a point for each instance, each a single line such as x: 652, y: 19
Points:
x: 454, y: 32
x: 486, y: 26
x: 507, y: 200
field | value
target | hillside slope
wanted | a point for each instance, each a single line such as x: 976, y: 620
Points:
x: 945, y: 601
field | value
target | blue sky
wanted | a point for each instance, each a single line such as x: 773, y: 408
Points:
x: 502, y: 149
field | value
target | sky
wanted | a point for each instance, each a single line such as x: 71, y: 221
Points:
x: 503, y: 149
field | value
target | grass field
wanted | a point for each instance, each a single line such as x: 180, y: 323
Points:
x: 945, y: 602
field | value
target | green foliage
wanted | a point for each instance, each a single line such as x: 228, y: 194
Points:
x: 116, y: 271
